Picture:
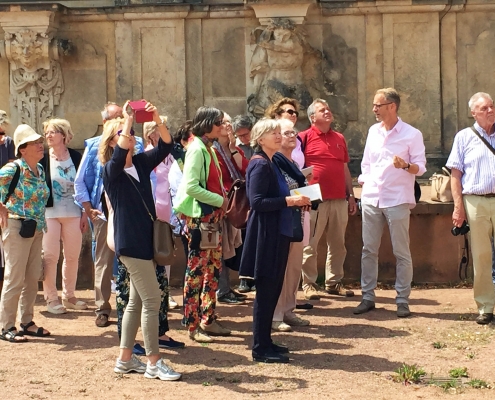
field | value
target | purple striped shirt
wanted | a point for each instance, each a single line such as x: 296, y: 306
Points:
x: 476, y: 162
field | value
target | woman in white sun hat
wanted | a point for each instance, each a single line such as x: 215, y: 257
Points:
x: 22, y: 237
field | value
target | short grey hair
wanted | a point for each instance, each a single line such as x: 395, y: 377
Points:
x: 475, y: 97
x: 104, y: 113
x: 286, y: 122
x: 149, y: 127
x: 262, y: 127
x: 227, y: 117
x: 391, y: 95
x: 242, y: 121
x: 311, y: 109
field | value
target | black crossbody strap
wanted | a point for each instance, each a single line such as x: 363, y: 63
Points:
x: 145, y: 206
x: 483, y: 140
x: 13, y: 182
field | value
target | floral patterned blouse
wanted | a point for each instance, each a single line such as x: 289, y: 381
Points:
x: 30, y: 195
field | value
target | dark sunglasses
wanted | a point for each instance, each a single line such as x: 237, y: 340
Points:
x: 131, y: 132
x: 218, y: 123
x: 290, y: 112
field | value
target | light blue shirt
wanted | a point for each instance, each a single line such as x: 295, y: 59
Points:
x: 476, y: 162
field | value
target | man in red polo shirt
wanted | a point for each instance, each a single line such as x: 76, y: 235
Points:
x: 326, y: 151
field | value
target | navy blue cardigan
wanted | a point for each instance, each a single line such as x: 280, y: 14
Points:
x: 260, y: 251
x: 133, y: 226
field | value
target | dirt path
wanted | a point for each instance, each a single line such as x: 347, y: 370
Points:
x: 340, y: 356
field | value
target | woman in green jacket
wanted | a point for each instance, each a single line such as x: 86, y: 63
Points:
x: 201, y: 199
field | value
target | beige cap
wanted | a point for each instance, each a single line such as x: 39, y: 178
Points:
x: 24, y: 134
x: 3, y: 118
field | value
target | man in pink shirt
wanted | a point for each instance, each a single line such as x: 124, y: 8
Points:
x: 394, y: 154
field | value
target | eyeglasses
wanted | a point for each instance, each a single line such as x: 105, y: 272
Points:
x: 226, y: 123
x: 290, y: 112
x: 218, y: 123
x: 131, y: 132
x: 289, y: 133
x: 52, y: 133
x: 381, y: 105
x: 241, y: 136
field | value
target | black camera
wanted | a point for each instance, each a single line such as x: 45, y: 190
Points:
x: 462, y: 230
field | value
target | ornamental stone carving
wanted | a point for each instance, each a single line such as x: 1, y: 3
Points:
x: 36, y: 81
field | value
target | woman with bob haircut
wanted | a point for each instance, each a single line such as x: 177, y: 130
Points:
x: 201, y: 198
x: 64, y: 219
x: 268, y: 235
x: 126, y: 178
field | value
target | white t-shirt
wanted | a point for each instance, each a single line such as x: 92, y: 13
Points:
x: 63, y: 174
x: 132, y: 171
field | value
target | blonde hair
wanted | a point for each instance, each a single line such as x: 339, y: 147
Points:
x: 149, y: 127
x: 60, y: 125
x: 110, y: 129
x: 262, y: 127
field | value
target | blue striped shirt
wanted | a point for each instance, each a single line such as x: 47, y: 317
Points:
x: 476, y: 162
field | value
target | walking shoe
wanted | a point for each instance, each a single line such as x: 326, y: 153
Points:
x: 403, y: 310
x: 270, y: 357
x: 133, y: 365
x: 55, y: 307
x: 138, y: 350
x: 296, y: 321
x: 339, y: 290
x: 215, y: 329
x: 304, y: 306
x: 78, y: 305
x: 161, y: 371
x: 170, y: 344
x: 199, y: 336
x: 364, y: 307
x: 243, y: 286
x: 229, y: 298
x: 102, y: 320
x: 311, y: 292
x: 238, y: 295
x: 281, y: 326
x: 484, y: 319
x: 172, y: 304
x: 279, y: 349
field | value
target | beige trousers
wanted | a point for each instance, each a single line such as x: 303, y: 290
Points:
x: 330, y: 219
x: 22, y: 272
x: 103, y: 268
x: 480, y: 213
x: 287, y: 299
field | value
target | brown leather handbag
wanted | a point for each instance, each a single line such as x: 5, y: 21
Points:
x: 238, y: 205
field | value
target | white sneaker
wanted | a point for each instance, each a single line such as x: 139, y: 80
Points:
x: 281, y: 326
x: 134, y: 364
x: 172, y: 304
x: 161, y: 371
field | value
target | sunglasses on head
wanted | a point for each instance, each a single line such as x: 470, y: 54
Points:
x: 290, y: 112
x: 131, y: 132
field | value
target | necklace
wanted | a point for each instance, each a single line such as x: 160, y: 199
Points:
x: 63, y: 157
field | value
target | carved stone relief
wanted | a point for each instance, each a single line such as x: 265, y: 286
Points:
x: 36, y: 81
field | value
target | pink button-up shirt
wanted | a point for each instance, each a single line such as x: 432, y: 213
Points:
x: 383, y: 184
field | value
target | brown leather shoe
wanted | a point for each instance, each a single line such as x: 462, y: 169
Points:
x: 484, y: 319
x: 339, y: 290
x: 311, y: 292
x: 102, y: 320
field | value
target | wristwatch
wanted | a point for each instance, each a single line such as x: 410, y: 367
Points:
x: 234, y: 153
x: 407, y: 168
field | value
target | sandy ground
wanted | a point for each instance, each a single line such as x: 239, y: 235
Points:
x: 339, y: 356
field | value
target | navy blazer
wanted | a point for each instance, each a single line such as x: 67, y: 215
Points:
x: 45, y: 162
x: 260, y: 250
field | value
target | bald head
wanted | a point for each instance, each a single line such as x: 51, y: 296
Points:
x: 111, y: 111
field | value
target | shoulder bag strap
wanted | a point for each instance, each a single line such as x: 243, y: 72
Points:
x: 13, y: 182
x: 483, y: 140
x: 145, y: 206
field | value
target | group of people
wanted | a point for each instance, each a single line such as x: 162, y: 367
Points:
x: 119, y: 188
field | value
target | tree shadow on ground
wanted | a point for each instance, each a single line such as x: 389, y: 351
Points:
x: 379, y: 299
x: 106, y: 338
x: 349, y: 363
x: 383, y: 314
x: 362, y: 331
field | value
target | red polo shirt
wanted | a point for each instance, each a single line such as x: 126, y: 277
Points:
x: 327, y: 153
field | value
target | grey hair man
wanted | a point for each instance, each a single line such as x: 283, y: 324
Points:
x: 473, y: 188
x: 242, y: 125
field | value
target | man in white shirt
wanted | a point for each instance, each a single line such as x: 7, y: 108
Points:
x: 394, y: 154
x: 473, y: 190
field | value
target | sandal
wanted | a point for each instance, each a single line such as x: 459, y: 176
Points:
x: 11, y: 335
x: 40, y: 332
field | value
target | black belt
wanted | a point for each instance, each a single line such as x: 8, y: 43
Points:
x: 486, y: 195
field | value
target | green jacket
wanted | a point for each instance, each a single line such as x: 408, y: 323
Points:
x: 194, y: 174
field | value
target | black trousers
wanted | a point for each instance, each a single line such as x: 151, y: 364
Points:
x: 268, y: 290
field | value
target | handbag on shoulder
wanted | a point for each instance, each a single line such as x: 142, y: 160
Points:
x: 440, y: 187
x: 238, y: 205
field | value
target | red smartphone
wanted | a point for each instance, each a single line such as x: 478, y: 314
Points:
x: 140, y: 113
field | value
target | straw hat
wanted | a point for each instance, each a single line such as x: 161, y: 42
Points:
x: 24, y: 134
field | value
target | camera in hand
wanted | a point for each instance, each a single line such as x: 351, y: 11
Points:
x: 460, y: 230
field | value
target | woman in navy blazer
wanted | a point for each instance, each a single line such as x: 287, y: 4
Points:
x: 268, y: 235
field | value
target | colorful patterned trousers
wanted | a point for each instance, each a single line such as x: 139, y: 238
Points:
x: 202, y: 274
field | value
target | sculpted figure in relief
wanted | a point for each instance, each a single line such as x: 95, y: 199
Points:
x: 282, y: 65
